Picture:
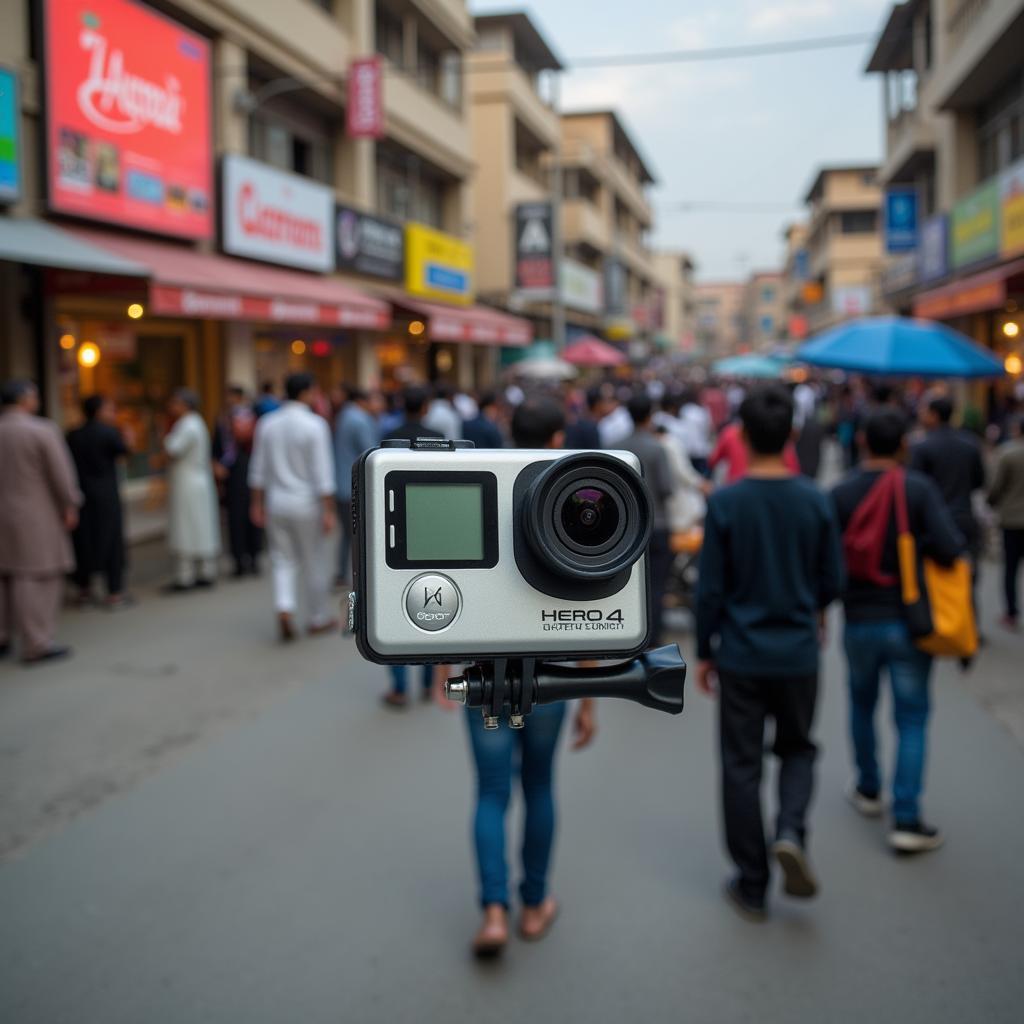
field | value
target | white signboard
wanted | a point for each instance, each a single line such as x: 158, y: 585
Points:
x: 278, y: 217
x: 582, y: 288
x: 851, y: 300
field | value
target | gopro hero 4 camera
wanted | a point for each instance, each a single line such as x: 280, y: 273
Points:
x: 463, y: 554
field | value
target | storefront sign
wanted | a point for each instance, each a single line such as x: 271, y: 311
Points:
x: 975, y: 226
x: 901, y: 220
x: 369, y: 245
x: 10, y: 155
x: 535, y: 265
x: 614, y: 287
x: 274, y: 216
x: 851, y: 300
x: 438, y: 266
x: 900, y: 273
x: 801, y: 265
x: 1011, y: 199
x: 934, y: 257
x: 128, y: 117
x: 365, y: 110
x: 581, y: 287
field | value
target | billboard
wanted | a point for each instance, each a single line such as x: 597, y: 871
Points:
x: 535, y: 266
x: 438, y: 266
x: 581, y: 287
x: 128, y: 117
x: 934, y: 259
x: 369, y: 245
x: 901, y: 220
x: 974, y: 226
x: 10, y: 144
x: 271, y: 215
x: 365, y: 110
x: 1011, y: 199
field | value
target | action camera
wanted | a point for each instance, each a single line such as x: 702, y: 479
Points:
x: 464, y: 554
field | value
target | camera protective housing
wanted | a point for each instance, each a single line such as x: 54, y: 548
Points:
x: 464, y: 554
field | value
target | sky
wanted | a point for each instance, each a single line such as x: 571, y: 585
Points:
x: 749, y: 130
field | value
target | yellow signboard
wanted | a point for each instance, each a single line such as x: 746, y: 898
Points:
x: 438, y: 266
x: 1011, y: 196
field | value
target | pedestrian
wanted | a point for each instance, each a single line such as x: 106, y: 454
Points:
x: 291, y: 477
x: 732, y: 451
x: 232, y: 449
x: 697, y: 430
x: 355, y: 431
x: 483, y: 428
x: 686, y: 505
x: 952, y: 459
x: 583, y: 433
x: 497, y: 753
x: 96, y: 448
x: 877, y: 638
x: 644, y: 443
x: 770, y: 565
x: 193, y: 519
x: 268, y: 401
x: 442, y: 415
x: 39, y: 503
x: 414, y: 402
x: 1006, y: 496
x: 615, y: 424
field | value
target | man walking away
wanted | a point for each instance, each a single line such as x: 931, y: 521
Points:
x: 769, y: 567
x: 644, y: 444
x: 583, y: 433
x: 953, y: 461
x: 291, y: 476
x: 39, y: 503
x: 268, y: 401
x: 482, y: 429
x: 232, y: 449
x: 96, y: 448
x: 355, y: 431
x: 1006, y: 496
x: 877, y: 638
x: 442, y: 415
x: 193, y: 521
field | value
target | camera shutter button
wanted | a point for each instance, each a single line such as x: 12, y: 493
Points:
x: 432, y: 602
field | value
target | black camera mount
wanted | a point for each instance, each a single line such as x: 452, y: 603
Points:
x: 655, y: 680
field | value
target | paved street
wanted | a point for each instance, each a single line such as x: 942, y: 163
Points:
x: 201, y: 826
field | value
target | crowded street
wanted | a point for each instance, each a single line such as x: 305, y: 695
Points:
x: 201, y: 824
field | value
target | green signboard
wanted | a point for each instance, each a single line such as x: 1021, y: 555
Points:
x: 10, y: 182
x: 974, y: 226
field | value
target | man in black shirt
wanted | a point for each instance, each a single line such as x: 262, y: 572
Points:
x: 582, y: 434
x: 877, y: 637
x: 482, y: 429
x: 769, y: 566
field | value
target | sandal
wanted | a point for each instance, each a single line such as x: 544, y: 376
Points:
x: 551, y: 916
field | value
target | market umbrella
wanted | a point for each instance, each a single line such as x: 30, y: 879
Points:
x: 591, y: 351
x: 545, y: 368
x: 761, y: 367
x: 893, y: 346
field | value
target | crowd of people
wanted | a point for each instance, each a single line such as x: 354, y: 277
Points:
x: 733, y: 465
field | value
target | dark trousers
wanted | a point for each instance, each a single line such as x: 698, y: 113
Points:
x: 745, y: 703
x: 659, y: 557
x: 1013, y: 555
x: 244, y: 538
x: 344, y: 538
x: 112, y: 569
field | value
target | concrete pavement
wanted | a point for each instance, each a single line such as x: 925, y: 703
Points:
x: 203, y: 826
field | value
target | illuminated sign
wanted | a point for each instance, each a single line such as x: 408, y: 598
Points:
x: 438, y: 266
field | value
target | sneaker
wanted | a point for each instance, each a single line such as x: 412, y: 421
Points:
x: 914, y: 837
x: 746, y: 908
x: 791, y: 857
x: 864, y: 803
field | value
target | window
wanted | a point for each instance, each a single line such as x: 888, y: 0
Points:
x: 389, y: 35
x: 298, y: 141
x: 858, y: 222
x: 579, y: 184
x: 767, y: 294
x: 409, y: 189
x: 1001, y: 129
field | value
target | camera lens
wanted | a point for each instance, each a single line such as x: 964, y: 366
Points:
x: 587, y: 516
x: 590, y: 516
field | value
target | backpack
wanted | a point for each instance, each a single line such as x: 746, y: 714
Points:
x: 865, y: 534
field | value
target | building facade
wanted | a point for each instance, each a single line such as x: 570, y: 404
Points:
x: 764, y: 310
x: 795, y: 280
x: 721, y: 320
x: 952, y: 74
x: 844, y: 246
x: 674, y: 273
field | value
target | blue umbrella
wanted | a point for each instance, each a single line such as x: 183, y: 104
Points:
x: 752, y: 365
x: 892, y: 346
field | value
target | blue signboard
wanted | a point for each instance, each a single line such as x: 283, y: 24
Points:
x: 10, y: 157
x: 901, y: 220
x: 933, y: 262
x: 801, y: 265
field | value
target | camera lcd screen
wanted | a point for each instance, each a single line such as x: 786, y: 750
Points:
x: 444, y: 522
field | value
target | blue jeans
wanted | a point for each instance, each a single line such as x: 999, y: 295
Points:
x: 870, y: 648
x: 399, y: 676
x: 493, y: 754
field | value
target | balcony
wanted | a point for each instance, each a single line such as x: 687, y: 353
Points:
x: 583, y: 223
x: 635, y: 255
x: 910, y: 135
x: 611, y: 173
x: 524, y: 188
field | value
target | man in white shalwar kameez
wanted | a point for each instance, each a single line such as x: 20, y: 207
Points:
x: 291, y: 479
x: 193, y: 516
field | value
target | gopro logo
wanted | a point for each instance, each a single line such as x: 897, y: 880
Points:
x: 581, y: 619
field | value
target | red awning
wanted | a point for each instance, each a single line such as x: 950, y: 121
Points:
x: 211, y: 287
x: 478, y: 324
x: 971, y: 295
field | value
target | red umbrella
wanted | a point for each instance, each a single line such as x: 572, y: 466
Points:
x: 591, y: 351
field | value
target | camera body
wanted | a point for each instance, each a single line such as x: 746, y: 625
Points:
x: 465, y: 554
